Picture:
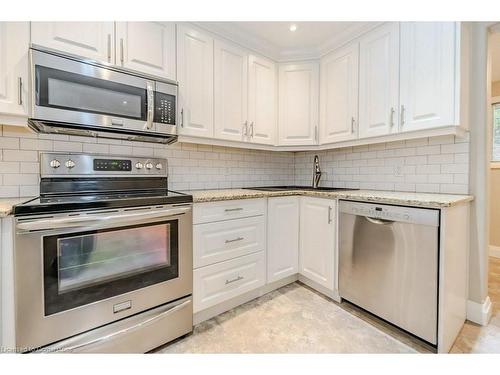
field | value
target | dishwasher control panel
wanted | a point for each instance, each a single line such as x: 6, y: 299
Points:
x: 415, y: 215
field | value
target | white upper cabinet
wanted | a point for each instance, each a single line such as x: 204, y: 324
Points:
x: 282, y: 237
x: 231, y: 91
x: 428, y: 51
x: 14, y: 84
x: 148, y: 47
x: 195, y: 72
x: 379, y: 81
x: 317, y: 241
x: 262, y: 100
x: 93, y: 40
x: 298, y: 104
x: 339, y: 95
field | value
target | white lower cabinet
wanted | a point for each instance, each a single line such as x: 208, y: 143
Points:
x: 222, y: 281
x: 215, y: 242
x: 283, y: 237
x: 317, y: 241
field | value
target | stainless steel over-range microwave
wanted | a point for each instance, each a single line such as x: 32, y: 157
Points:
x: 82, y: 97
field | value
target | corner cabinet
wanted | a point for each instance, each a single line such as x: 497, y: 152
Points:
x: 14, y: 67
x: 93, y: 40
x: 339, y: 95
x: 317, y: 241
x: 147, y: 47
x: 195, y: 72
x: 379, y: 81
x: 282, y: 237
x: 298, y: 104
x: 428, y: 69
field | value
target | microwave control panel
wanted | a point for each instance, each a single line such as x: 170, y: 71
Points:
x: 164, y: 108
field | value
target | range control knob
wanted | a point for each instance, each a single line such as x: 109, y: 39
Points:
x: 149, y: 165
x: 139, y: 165
x: 69, y: 164
x: 55, y: 163
x: 158, y: 166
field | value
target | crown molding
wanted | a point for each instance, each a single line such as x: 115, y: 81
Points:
x: 232, y: 32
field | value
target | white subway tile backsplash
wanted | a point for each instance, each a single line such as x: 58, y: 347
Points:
x: 437, y: 164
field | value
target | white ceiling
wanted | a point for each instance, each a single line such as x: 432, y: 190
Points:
x: 495, y: 56
x: 274, y: 39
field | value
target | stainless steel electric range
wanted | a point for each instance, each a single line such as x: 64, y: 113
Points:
x: 103, y: 258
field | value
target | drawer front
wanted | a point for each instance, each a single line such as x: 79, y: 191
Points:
x: 222, y: 281
x: 224, y: 240
x: 224, y: 210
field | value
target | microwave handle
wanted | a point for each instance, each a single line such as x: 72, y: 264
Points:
x: 150, y: 112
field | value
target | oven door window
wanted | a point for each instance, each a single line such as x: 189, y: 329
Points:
x: 76, y: 92
x: 84, y: 267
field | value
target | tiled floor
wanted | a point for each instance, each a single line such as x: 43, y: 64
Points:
x: 296, y: 319
x: 477, y: 339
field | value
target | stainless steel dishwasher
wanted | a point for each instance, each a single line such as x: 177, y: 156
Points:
x: 388, y: 263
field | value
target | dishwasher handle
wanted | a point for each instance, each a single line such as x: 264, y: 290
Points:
x: 374, y: 220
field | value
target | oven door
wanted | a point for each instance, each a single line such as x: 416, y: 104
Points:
x: 68, y: 91
x: 77, y: 272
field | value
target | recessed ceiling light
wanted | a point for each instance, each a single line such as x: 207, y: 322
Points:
x: 293, y: 27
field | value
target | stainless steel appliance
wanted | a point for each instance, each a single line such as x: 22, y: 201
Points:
x: 103, y: 256
x: 389, y: 264
x: 74, y: 96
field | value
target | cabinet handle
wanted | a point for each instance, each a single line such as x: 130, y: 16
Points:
x: 330, y: 214
x: 392, y: 116
x: 182, y: 117
x: 251, y: 128
x: 19, y: 91
x: 109, y: 47
x: 245, y: 127
x: 233, y: 209
x: 316, y: 133
x: 352, y: 124
x: 121, y: 50
x: 402, y: 115
x: 234, y: 280
x: 235, y: 240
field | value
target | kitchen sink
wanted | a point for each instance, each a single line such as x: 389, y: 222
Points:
x: 285, y: 188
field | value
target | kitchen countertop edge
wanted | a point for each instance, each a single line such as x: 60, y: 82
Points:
x: 432, y: 200
x: 6, y: 204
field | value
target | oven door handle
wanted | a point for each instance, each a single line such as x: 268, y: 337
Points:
x: 91, y: 221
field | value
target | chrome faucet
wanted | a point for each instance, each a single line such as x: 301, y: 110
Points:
x: 316, y: 172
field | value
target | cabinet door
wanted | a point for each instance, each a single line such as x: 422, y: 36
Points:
x: 379, y: 82
x: 298, y: 104
x: 195, y: 72
x: 339, y: 95
x: 231, y: 91
x: 262, y: 102
x: 147, y: 47
x: 282, y: 237
x: 14, y: 44
x: 94, y: 40
x: 427, y: 74
x: 317, y: 241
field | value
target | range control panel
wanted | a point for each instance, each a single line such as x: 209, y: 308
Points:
x: 67, y: 165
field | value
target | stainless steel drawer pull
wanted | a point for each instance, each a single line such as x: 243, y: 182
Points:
x: 233, y: 209
x: 235, y: 240
x: 234, y: 280
x: 392, y: 117
x: 330, y: 214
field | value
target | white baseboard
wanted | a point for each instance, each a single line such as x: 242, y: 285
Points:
x: 479, y: 313
x: 495, y: 251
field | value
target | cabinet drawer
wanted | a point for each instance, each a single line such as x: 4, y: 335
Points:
x: 224, y: 210
x: 222, y: 281
x: 224, y: 240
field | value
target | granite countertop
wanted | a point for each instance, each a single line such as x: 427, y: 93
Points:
x: 393, y: 197
x: 6, y: 204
